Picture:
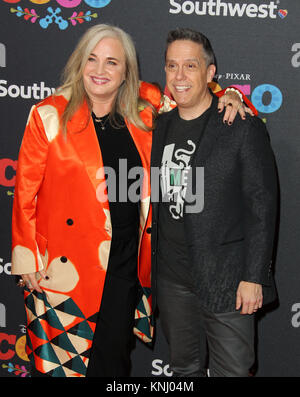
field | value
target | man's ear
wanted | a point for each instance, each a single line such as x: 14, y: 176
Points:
x: 211, y: 71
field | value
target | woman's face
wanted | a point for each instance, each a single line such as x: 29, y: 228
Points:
x: 105, y: 70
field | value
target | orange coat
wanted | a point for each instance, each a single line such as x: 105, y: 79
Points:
x: 60, y: 225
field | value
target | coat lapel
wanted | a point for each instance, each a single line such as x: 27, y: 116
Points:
x: 143, y: 143
x: 159, y: 138
x: 209, y: 136
x: 84, y: 139
x: 81, y: 132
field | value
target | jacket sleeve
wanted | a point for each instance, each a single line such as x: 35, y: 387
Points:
x: 260, y: 192
x: 30, y: 172
x: 151, y: 93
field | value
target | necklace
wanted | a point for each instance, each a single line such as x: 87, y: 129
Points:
x: 102, y: 121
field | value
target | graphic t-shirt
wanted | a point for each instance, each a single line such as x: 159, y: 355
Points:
x: 180, y: 145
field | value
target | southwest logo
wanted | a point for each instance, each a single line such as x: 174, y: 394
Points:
x: 282, y: 13
x: 226, y: 8
x: 62, y: 13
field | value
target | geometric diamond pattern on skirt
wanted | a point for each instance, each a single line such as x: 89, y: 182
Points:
x: 143, y: 322
x: 59, y: 338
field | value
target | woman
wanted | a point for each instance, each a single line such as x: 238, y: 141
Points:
x: 75, y: 244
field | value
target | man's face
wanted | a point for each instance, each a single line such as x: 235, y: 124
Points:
x: 187, y: 74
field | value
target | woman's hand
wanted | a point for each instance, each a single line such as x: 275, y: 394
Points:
x: 234, y: 105
x: 30, y: 280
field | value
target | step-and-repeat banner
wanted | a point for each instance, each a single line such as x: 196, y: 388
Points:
x: 257, y: 44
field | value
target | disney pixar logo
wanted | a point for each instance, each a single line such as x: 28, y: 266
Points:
x: 54, y: 14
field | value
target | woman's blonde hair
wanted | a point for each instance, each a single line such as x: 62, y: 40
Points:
x: 128, y: 101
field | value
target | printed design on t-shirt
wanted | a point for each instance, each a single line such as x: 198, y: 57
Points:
x: 174, y: 170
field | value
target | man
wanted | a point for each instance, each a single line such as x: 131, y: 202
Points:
x: 212, y: 259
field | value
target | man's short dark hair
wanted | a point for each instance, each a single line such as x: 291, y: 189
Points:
x: 196, y: 37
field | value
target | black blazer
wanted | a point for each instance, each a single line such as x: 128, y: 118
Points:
x: 232, y: 238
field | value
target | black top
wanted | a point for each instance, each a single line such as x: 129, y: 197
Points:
x: 179, y: 148
x: 120, y: 154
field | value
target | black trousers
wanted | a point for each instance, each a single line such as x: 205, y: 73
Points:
x: 114, y: 338
x: 190, y: 329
